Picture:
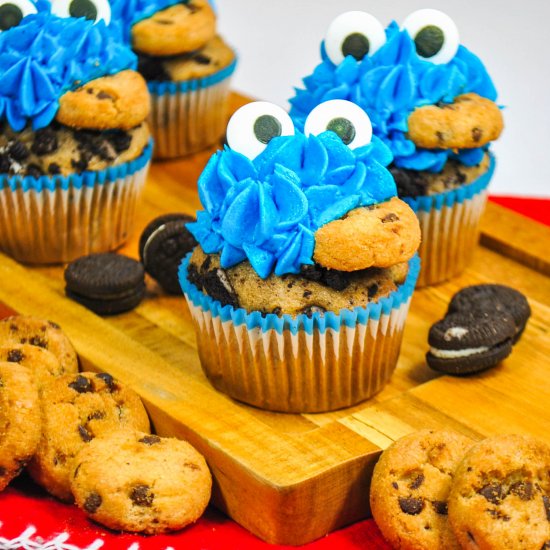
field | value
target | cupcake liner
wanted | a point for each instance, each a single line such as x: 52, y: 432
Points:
x: 189, y: 116
x: 450, y: 228
x: 57, y: 219
x: 300, y: 364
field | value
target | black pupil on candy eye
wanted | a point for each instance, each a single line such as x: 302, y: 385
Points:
x: 10, y: 16
x: 83, y: 8
x: 343, y: 128
x: 266, y: 128
x: 356, y: 45
x: 429, y: 41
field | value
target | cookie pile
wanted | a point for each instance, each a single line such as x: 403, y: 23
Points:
x: 438, y: 490
x: 63, y: 426
x: 482, y: 324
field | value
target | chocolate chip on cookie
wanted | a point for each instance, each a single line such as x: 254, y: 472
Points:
x: 493, y: 298
x: 163, y: 245
x: 465, y: 343
x: 107, y: 284
x: 500, y: 493
x: 410, y: 487
x: 154, y: 485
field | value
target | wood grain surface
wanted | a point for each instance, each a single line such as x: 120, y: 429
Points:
x: 293, y: 478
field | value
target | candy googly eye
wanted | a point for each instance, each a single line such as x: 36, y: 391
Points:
x: 344, y: 118
x: 12, y: 13
x: 94, y: 10
x: 253, y: 126
x: 435, y: 35
x: 354, y: 33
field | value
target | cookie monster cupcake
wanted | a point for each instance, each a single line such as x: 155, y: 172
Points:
x: 187, y: 66
x: 302, y: 279
x: 432, y: 102
x: 74, y: 144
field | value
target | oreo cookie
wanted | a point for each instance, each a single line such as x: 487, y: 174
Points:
x: 163, y: 245
x: 494, y: 298
x: 465, y: 343
x: 106, y: 283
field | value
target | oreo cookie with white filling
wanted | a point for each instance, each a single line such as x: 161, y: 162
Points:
x: 494, y: 298
x: 162, y: 246
x: 465, y: 343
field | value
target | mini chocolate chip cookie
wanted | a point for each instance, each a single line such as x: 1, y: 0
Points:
x: 43, y: 365
x: 464, y: 343
x: 410, y: 488
x: 182, y: 28
x: 38, y: 332
x: 378, y: 236
x: 163, y: 245
x: 75, y: 410
x: 20, y: 424
x: 500, y: 499
x: 493, y: 299
x: 120, y: 101
x: 141, y: 483
x: 470, y: 121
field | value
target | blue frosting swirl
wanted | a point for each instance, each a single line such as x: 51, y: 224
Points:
x: 267, y: 210
x: 389, y: 86
x: 45, y: 56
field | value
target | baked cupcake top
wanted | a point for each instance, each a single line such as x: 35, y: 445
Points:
x: 45, y: 53
x: 429, y: 98
x: 268, y: 193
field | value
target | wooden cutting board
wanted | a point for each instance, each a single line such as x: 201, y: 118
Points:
x: 293, y: 478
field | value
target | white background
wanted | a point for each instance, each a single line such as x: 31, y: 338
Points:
x: 278, y: 44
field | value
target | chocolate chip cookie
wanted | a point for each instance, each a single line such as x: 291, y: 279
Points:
x: 76, y: 409
x: 470, y: 121
x: 22, y: 329
x: 20, y: 424
x: 381, y: 235
x: 141, y: 483
x: 120, y: 101
x: 181, y: 28
x: 42, y: 364
x: 500, y: 497
x: 410, y: 488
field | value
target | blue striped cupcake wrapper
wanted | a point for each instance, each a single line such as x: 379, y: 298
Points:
x: 449, y: 222
x: 300, y: 364
x: 55, y: 219
x: 189, y: 116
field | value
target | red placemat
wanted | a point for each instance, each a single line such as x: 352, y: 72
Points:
x: 30, y: 519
